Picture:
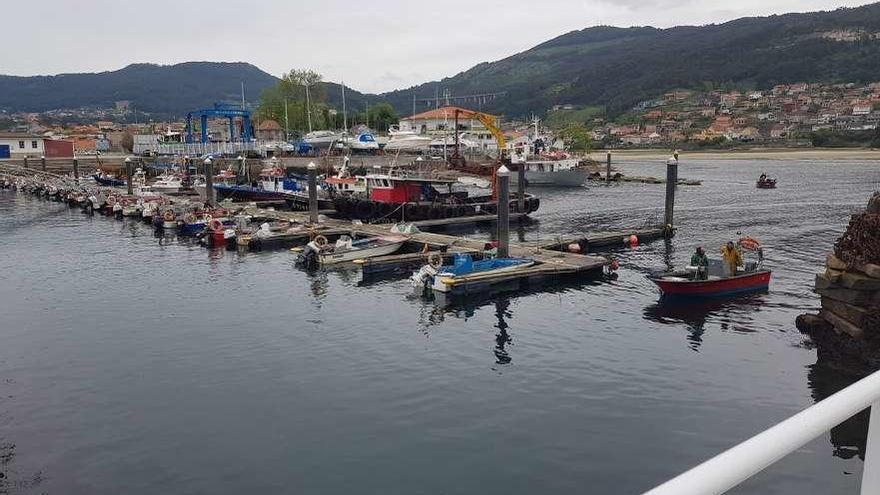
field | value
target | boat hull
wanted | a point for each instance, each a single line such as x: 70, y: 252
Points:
x: 357, y: 254
x: 562, y: 178
x: 725, y: 287
x: 446, y: 282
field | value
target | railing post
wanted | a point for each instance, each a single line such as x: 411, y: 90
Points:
x: 871, y: 468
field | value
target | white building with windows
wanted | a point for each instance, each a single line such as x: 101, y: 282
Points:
x: 22, y: 144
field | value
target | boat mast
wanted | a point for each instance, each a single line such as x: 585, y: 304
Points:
x: 344, y: 114
x: 308, y: 108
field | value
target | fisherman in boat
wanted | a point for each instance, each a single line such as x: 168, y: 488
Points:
x: 732, y: 258
x: 762, y: 178
x: 701, y: 261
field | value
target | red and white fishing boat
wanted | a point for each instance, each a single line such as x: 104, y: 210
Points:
x: 687, y: 283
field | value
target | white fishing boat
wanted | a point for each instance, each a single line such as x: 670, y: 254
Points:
x: 560, y: 173
x: 167, y: 183
x: 347, y: 249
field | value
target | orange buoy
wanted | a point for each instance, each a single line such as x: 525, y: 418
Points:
x: 574, y: 247
x: 633, y: 240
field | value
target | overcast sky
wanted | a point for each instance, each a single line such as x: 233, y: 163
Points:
x: 375, y: 46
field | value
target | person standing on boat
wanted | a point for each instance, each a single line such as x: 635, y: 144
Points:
x: 700, y: 261
x: 732, y: 258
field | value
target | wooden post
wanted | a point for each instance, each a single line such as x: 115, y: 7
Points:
x: 608, y: 168
x: 128, y: 174
x: 671, y: 184
x: 313, y: 193
x: 75, y: 169
x: 502, y: 178
x: 242, y: 171
x: 209, y: 182
x: 521, y: 188
x: 25, y: 162
x: 43, y: 163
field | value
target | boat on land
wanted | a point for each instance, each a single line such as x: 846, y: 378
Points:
x: 322, y: 139
x: 688, y: 283
x: 346, y: 249
x: 406, y: 140
x: 444, y: 278
x: 412, y: 198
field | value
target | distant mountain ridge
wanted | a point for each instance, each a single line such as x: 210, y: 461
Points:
x: 618, y: 67
x: 161, y: 89
x: 598, y: 66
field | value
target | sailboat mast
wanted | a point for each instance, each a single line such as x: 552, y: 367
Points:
x: 344, y: 113
x: 308, y: 108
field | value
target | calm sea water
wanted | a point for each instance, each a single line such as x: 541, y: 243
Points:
x: 133, y: 364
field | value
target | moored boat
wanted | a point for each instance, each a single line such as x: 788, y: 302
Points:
x: 347, y: 249
x: 463, y: 265
x: 766, y: 183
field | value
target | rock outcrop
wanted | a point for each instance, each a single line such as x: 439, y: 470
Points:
x: 847, y: 328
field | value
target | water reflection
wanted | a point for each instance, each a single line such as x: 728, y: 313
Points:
x: 849, y: 438
x: 730, y: 314
x: 502, y: 338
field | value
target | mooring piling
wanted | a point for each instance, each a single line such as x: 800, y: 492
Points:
x: 313, y: 193
x: 502, y: 178
x: 75, y: 169
x: 608, y: 167
x: 671, y: 184
x: 521, y: 188
x: 128, y: 174
x: 209, y: 182
x: 43, y: 163
x: 25, y: 162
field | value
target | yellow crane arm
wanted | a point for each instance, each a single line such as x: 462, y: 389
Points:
x: 489, y: 123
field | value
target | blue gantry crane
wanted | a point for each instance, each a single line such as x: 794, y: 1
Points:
x: 221, y: 110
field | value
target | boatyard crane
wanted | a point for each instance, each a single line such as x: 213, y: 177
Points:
x: 224, y: 111
x: 488, y: 122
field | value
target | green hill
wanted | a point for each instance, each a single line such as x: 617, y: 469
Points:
x: 618, y: 67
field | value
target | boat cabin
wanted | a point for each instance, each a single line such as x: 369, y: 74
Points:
x: 397, y: 190
x: 347, y: 185
x: 273, y: 179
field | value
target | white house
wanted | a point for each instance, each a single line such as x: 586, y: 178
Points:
x: 441, y: 121
x: 22, y: 144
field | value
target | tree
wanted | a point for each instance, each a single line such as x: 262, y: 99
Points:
x: 577, y: 137
x: 291, y: 89
x: 381, y: 116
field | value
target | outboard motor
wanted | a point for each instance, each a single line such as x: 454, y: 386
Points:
x: 309, y: 256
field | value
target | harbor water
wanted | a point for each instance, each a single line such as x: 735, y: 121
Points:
x: 137, y: 364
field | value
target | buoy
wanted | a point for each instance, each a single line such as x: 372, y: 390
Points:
x: 633, y: 240
x: 574, y: 247
x: 614, y: 265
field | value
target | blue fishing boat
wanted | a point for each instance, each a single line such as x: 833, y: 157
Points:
x: 105, y: 179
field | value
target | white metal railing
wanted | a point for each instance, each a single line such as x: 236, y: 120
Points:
x: 196, y: 149
x: 730, y: 468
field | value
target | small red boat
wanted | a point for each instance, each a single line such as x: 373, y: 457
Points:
x: 683, y: 284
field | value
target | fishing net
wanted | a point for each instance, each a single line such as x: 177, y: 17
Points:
x: 860, y: 244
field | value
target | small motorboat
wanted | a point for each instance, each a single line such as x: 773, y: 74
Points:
x: 685, y: 284
x: 715, y: 282
x: 766, y: 183
x: 347, y: 249
x: 443, y: 278
x: 106, y: 179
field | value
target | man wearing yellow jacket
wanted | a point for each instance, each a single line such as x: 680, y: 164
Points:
x: 732, y: 258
